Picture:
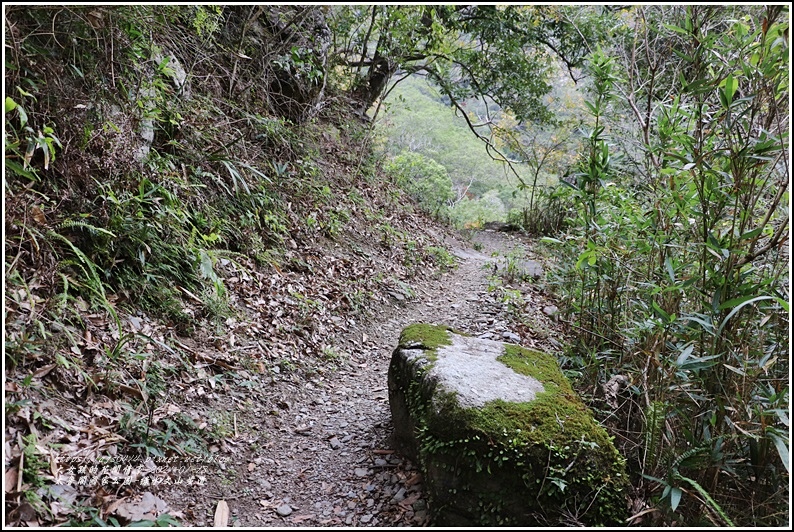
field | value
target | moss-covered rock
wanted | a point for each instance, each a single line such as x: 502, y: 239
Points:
x: 501, y: 437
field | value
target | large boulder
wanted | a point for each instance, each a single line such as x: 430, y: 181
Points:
x: 499, y: 434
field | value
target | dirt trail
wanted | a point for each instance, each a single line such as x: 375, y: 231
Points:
x: 317, y: 452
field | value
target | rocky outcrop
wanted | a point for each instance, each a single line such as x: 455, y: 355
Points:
x: 499, y: 434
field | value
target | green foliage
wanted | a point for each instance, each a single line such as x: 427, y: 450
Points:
x: 444, y: 259
x: 501, y: 52
x: 475, y: 212
x: 513, y: 269
x: 21, y: 131
x: 547, y: 213
x: 674, y: 270
x: 206, y: 20
x: 417, y: 119
x: 301, y: 64
x: 425, y: 180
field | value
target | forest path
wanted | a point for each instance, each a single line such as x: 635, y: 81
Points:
x: 319, y: 454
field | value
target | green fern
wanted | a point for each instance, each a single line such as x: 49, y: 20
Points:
x: 655, y: 414
x: 90, y: 274
x: 711, y: 502
x: 92, y: 229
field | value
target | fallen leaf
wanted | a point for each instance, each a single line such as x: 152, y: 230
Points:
x: 148, y: 508
x: 11, y: 479
x: 221, y: 515
x: 24, y: 513
x: 45, y: 370
x: 38, y: 215
x: 413, y: 479
x: 408, y: 501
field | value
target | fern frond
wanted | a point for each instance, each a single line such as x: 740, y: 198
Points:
x: 92, y: 279
x: 711, y: 502
x: 79, y: 224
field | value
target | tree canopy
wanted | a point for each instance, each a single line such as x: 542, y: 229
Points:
x: 500, y: 53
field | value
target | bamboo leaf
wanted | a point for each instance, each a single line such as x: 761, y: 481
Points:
x: 782, y: 450
x: 670, y: 271
x: 751, y: 234
x: 711, y: 502
x: 731, y: 84
x: 685, y: 353
x: 698, y: 363
x: 661, y: 313
x: 675, y: 497
x: 737, y: 309
x: 735, y: 301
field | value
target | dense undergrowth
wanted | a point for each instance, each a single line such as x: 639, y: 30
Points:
x: 174, y: 213
x: 675, y: 268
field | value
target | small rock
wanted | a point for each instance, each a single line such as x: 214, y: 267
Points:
x: 550, y: 310
x: 335, y: 443
x: 366, y: 518
x: 284, y: 510
x: 511, y: 336
x: 399, y: 496
x: 360, y: 472
x: 380, y: 462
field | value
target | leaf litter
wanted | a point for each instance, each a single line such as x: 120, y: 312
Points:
x: 243, y: 410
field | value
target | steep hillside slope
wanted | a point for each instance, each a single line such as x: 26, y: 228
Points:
x: 175, y: 223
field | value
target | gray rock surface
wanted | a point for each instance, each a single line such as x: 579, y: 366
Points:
x: 469, y: 368
x: 489, y: 434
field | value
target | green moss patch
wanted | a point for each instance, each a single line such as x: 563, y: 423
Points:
x: 537, y: 364
x: 529, y: 464
x: 427, y: 337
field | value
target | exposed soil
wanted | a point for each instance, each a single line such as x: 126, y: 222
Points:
x: 317, y: 452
